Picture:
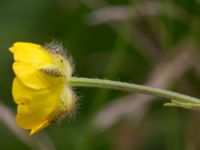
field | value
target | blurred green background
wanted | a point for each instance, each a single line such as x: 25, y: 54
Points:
x: 153, y: 42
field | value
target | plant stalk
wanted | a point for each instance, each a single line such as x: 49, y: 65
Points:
x: 130, y: 87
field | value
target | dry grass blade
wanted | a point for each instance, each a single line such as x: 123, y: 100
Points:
x: 124, y: 13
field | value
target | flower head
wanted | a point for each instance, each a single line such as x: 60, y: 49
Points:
x: 40, y: 87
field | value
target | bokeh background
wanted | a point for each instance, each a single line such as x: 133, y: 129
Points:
x: 152, y: 42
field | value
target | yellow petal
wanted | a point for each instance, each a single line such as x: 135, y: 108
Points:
x: 34, y: 107
x: 35, y: 78
x: 30, y: 53
x: 30, y: 76
x: 40, y: 127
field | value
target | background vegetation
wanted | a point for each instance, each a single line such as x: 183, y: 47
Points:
x: 153, y: 42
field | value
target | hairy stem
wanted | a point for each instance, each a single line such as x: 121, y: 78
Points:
x: 130, y: 87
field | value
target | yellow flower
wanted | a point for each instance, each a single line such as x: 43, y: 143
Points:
x: 40, y: 87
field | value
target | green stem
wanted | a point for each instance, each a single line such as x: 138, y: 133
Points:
x: 130, y: 87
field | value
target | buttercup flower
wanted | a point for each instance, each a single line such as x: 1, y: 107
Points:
x: 40, y: 87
